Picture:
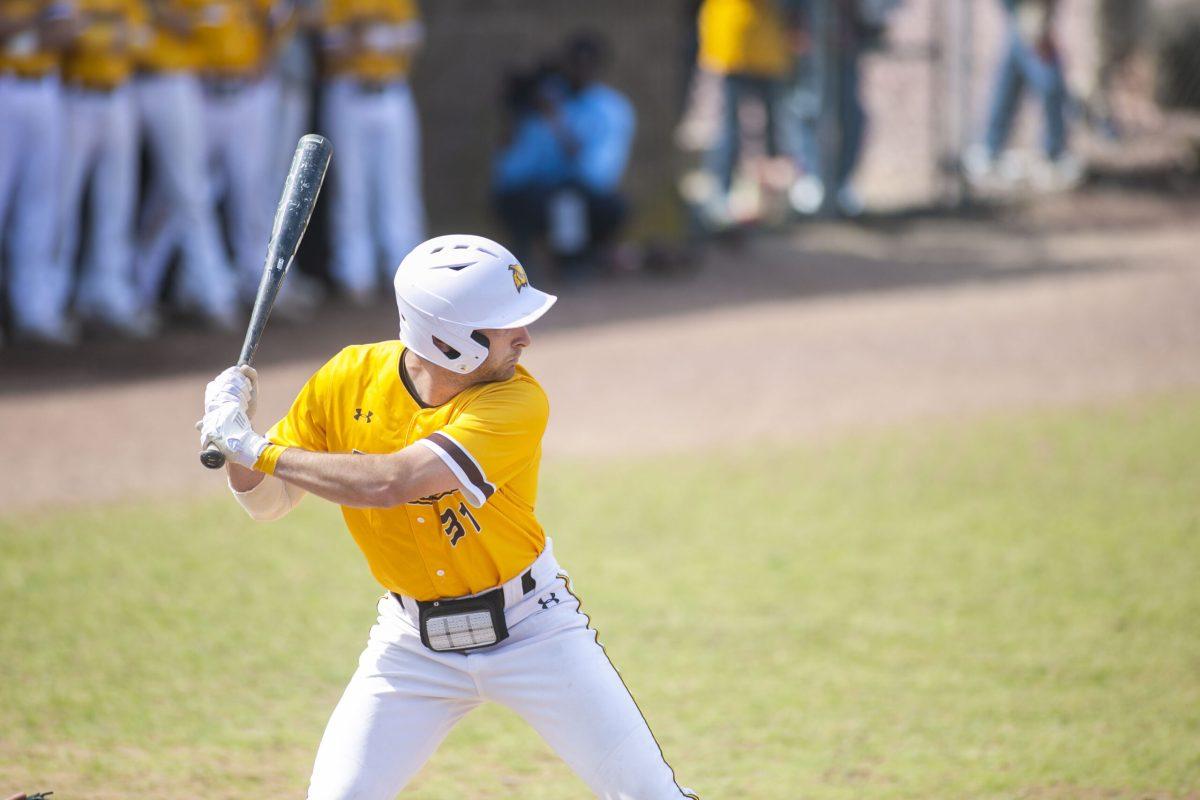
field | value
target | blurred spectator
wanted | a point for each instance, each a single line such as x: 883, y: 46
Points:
x: 851, y: 28
x: 31, y: 33
x: 101, y: 145
x: 1119, y: 26
x: 1031, y: 56
x: 742, y: 41
x: 171, y: 105
x: 558, y: 178
x: 369, y: 114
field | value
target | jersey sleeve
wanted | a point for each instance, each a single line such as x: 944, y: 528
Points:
x: 494, y: 437
x: 305, y: 425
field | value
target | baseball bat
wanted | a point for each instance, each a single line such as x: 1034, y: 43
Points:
x: 295, y: 209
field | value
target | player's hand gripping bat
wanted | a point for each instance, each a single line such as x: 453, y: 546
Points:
x: 291, y: 220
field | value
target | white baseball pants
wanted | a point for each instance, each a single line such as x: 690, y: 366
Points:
x: 405, y: 698
x: 30, y: 153
x: 238, y: 126
x: 376, y: 207
x: 172, y: 116
x: 101, y: 142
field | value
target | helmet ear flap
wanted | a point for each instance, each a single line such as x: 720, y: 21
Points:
x: 481, y: 339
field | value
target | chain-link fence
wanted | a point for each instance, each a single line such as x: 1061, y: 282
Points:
x: 1123, y: 75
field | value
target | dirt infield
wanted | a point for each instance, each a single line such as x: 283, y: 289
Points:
x: 819, y: 331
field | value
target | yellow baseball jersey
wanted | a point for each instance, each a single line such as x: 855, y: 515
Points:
x: 23, y: 54
x: 103, y: 54
x: 232, y: 37
x: 166, y: 51
x: 742, y: 37
x: 370, y: 64
x: 490, y: 436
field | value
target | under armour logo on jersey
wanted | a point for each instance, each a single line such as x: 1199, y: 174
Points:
x: 519, y: 278
x: 358, y: 414
x: 550, y: 600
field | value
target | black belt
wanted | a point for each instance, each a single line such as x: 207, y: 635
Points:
x: 463, y: 624
x: 528, y: 584
x: 222, y: 87
x: 81, y: 86
x: 373, y: 87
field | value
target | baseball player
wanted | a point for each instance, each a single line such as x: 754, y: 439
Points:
x: 171, y: 108
x: 232, y: 36
x: 431, y: 445
x: 101, y: 142
x: 31, y: 33
x: 377, y: 213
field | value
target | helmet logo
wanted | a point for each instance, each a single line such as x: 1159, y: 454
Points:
x: 519, y: 279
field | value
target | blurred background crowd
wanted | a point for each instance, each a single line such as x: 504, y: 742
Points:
x: 144, y: 143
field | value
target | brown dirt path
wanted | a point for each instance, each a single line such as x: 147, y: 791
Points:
x: 824, y: 330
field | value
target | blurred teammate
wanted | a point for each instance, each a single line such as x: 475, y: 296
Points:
x: 290, y: 78
x: 432, y: 446
x: 368, y: 112
x: 233, y: 37
x: 102, y: 145
x: 31, y: 33
x: 743, y: 42
x: 172, y: 115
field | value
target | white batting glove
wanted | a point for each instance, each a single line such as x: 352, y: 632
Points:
x: 228, y: 427
x: 237, y: 386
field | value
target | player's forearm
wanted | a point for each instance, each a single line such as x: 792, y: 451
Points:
x: 242, y: 479
x: 359, y: 481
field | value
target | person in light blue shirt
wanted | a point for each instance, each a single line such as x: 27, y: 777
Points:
x: 558, y: 178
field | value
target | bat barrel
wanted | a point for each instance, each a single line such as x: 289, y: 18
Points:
x: 292, y: 215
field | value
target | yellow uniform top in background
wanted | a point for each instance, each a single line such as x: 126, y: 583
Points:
x: 167, y: 51
x: 23, y: 54
x: 103, y: 55
x: 490, y: 435
x: 232, y: 37
x: 743, y: 37
x: 383, y: 63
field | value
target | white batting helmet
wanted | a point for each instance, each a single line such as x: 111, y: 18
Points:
x: 451, y: 286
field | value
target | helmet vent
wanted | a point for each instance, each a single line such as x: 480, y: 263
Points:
x: 462, y: 246
x: 489, y: 252
x: 437, y: 249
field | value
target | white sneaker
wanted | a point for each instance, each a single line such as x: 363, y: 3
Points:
x: 1060, y: 175
x: 63, y: 334
x: 849, y: 203
x: 806, y: 195
x: 299, y: 297
x: 140, y: 326
x: 979, y: 164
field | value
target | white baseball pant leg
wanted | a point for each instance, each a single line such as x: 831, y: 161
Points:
x: 291, y: 119
x: 404, y: 699
x: 345, y: 119
x: 172, y: 116
x: 30, y: 154
x: 238, y: 125
x: 396, y: 147
x: 102, y: 142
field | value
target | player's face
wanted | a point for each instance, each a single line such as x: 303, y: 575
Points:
x: 504, y: 351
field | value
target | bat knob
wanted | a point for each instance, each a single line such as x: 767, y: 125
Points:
x: 212, y: 457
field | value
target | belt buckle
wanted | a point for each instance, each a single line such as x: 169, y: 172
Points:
x: 464, y: 623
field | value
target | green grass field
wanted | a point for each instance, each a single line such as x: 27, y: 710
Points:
x: 1005, y: 608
